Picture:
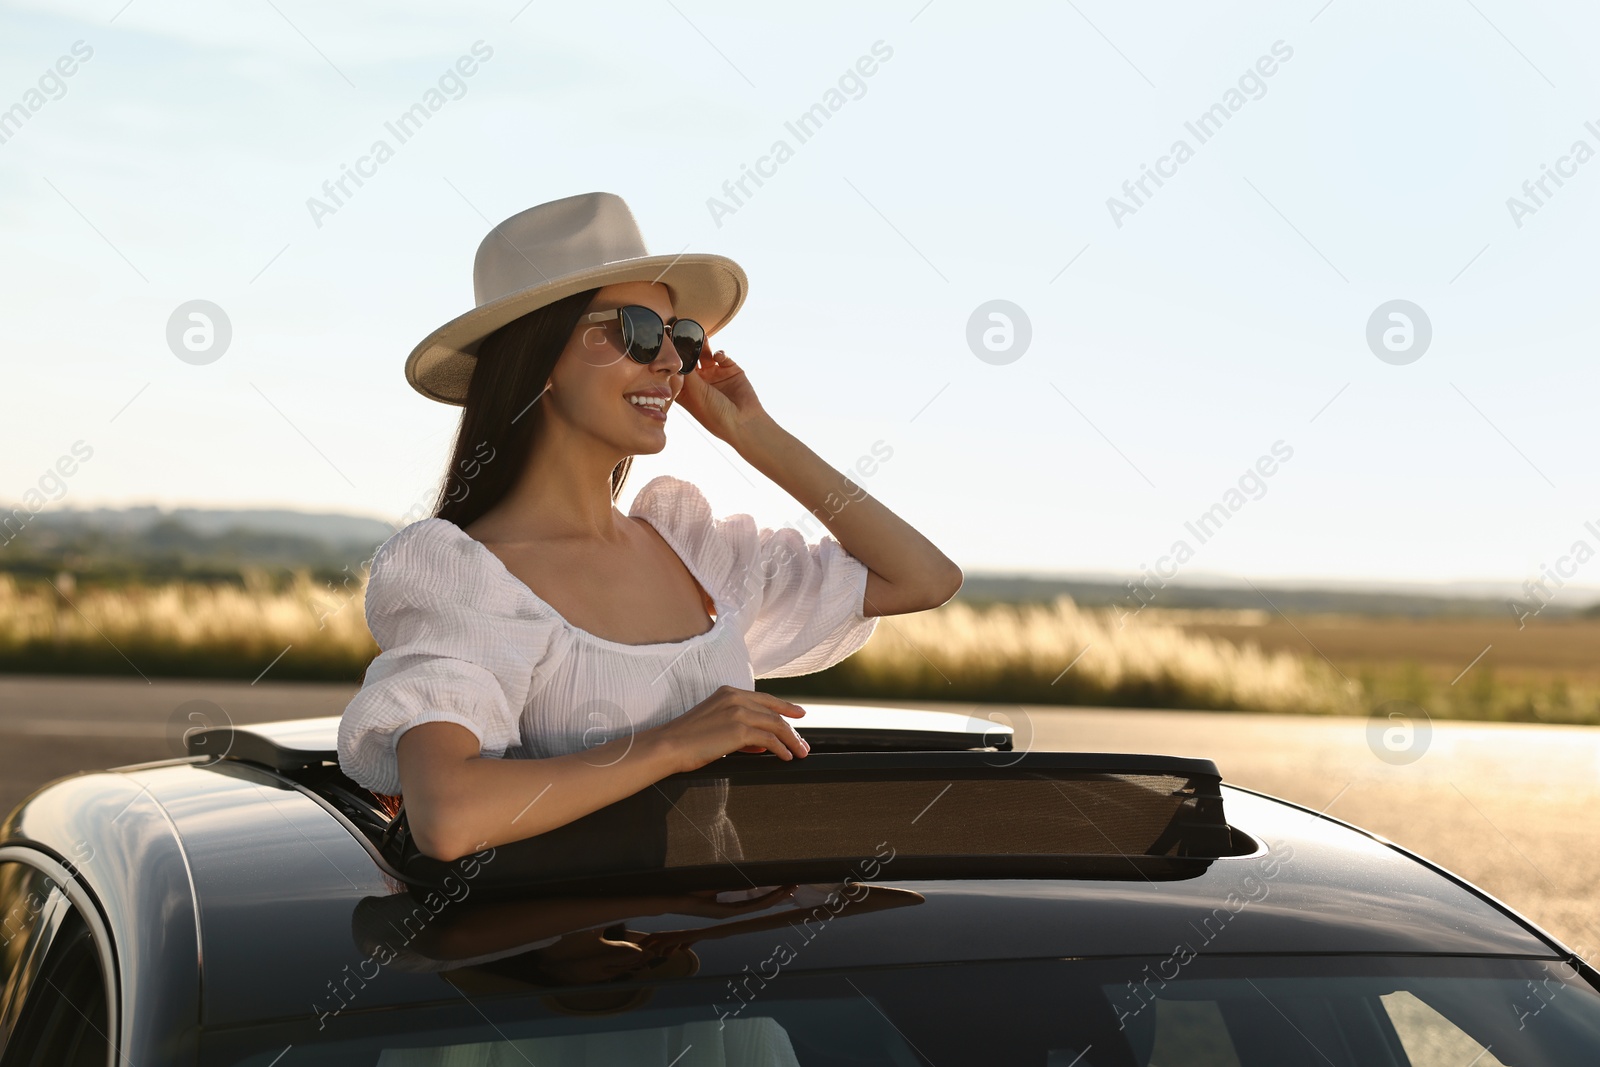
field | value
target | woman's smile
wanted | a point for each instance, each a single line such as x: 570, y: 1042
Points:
x: 651, y: 403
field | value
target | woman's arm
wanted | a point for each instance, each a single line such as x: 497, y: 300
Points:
x: 459, y: 801
x: 907, y: 573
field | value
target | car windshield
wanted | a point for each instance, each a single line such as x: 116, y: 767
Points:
x: 1175, y: 1011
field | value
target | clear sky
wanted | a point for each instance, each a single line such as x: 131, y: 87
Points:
x: 1175, y: 336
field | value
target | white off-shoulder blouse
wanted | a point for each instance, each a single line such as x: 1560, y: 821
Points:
x: 464, y: 640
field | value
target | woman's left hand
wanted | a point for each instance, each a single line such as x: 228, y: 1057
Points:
x: 719, y: 395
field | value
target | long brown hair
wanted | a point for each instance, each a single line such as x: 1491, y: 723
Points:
x: 495, y: 437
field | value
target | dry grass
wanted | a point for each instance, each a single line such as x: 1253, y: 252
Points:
x: 1053, y: 653
x: 185, y: 629
x: 1060, y: 653
x: 1463, y: 668
x: 1561, y: 644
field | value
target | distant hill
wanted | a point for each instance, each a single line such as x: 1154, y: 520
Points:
x: 203, y: 544
x: 1294, y: 597
x: 328, y: 527
x: 150, y: 544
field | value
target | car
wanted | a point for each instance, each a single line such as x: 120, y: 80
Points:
x: 917, y: 890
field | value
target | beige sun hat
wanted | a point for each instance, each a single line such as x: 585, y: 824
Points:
x: 554, y: 250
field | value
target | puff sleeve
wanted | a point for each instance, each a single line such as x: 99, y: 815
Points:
x: 798, y: 602
x: 457, y: 645
x: 809, y: 617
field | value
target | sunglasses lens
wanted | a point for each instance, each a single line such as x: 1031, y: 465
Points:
x: 690, y: 338
x: 642, y: 333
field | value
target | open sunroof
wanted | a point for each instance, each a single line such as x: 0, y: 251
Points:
x: 944, y: 797
x: 749, y: 820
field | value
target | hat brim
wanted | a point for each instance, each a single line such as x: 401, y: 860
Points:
x: 705, y: 287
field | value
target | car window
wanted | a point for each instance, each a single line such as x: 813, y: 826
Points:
x: 598, y: 1027
x: 30, y: 911
x: 63, y: 1020
x: 756, y: 1042
x: 1346, y: 1020
x: 1338, y: 1011
x: 1192, y: 1033
x: 1429, y: 1038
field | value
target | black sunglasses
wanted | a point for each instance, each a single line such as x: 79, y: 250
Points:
x: 643, y: 331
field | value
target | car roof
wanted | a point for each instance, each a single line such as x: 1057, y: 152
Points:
x: 278, y: 890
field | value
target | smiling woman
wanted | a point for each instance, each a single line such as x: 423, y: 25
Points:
x: 544, y: 654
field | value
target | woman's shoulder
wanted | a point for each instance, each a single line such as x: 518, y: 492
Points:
x: 430, y: 549
x: 435, y: 558
x: 665, y: 496
x: 719, y: 547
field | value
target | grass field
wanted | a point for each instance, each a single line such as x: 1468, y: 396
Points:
x: 1048, y: 653
x: 1466, y: 668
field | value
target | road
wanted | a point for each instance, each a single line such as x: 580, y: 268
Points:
x: 1510, y: 807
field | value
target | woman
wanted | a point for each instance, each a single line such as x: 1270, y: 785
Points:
x: 530, y: 619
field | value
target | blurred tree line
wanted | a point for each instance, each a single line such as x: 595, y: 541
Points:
x: 171, y: 549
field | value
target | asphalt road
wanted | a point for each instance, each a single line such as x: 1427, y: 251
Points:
x: 1511, y: 807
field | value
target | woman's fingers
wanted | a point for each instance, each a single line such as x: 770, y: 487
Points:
x: 760, y: 722
x: 777, y: 704
x: 773, y: 744
x: 774, y: 726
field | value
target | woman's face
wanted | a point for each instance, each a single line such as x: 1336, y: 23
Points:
x: 591, y: 383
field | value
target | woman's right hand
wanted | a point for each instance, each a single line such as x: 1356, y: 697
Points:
x: 732, y: 720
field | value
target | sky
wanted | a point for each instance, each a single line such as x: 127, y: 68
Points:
x: 1339, y: 323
